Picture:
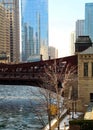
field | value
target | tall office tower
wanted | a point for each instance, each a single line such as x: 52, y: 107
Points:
x: 80, y: 28
x: 34, y: 29
x: 53, y: 52
x: 13, y: 16
x: 89, y: 20
x: 72, y: 43
x: 4, y: 35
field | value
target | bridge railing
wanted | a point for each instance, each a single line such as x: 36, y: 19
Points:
x: 19, y: 75
x: 34, y: 70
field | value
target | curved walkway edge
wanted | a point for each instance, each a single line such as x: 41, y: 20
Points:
x: 54, y: 121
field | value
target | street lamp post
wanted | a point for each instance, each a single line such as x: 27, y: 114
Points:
x: 72, y: 109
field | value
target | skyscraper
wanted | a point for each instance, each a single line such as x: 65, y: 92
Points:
x: 34, y: 28
x: 80, y: 28
x: 4, y: 35
x: 53, y: 52
x: 89, y: 20
x: 13, y: 15
x: 72, y: 43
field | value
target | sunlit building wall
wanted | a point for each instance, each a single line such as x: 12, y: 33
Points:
x: 53, y: 52
x: 44, y: 51
x: 13, y: 16
x: 89, y: 20
x: 72, y: 43
x: 34, y: 27
x: 2, y: 28
x: 4, y: 35
x: 7, y: 35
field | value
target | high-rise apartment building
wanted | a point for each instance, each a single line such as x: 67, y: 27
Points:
x: 12, y: 7
x: 4, y: 35
x: 89, y: 20
x: 34, y: 28
x: 80, y: 24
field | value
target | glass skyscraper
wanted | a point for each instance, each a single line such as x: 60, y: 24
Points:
x: 89, y: 20
x: 34, y: 28
x: 80, y: 28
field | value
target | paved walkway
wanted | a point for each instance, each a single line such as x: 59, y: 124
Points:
x: 54, y: 121
x: 64, y: 124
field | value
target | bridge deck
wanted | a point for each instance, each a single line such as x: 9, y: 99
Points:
x: 30, y: 73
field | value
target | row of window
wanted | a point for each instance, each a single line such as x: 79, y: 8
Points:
x: 86, y: 69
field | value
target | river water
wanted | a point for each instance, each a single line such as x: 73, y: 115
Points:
x: 20, y: 108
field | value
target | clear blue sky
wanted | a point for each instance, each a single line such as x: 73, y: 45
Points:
x: 62, y: 17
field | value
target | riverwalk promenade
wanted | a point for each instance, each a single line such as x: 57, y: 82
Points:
x: 64, y: 121
x: 54, y: 121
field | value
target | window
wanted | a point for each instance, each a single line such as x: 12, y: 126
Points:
x: 86, y: 69
x: 91, y: 97
x: 92, y: 68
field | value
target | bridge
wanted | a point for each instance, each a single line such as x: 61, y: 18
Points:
x: 31, y: 73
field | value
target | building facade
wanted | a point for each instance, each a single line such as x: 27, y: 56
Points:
x: 4, y: 35
x: 12, y: 7
x: 84, y: 51
x: 72, y: 43
x: 34, y: 28
x: 53, y: 52
x: 89, y: 20
x: 85, y: 76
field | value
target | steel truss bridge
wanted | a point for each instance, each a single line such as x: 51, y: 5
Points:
x: 30, y: 73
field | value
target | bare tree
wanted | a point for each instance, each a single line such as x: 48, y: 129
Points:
x: 49, y: 101
x: 52, y: 84
x: 71, y: 88
x: 57, y: 77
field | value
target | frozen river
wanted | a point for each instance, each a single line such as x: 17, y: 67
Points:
x: 20, y: 108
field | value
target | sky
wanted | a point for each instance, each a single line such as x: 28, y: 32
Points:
x: 62, y: 17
